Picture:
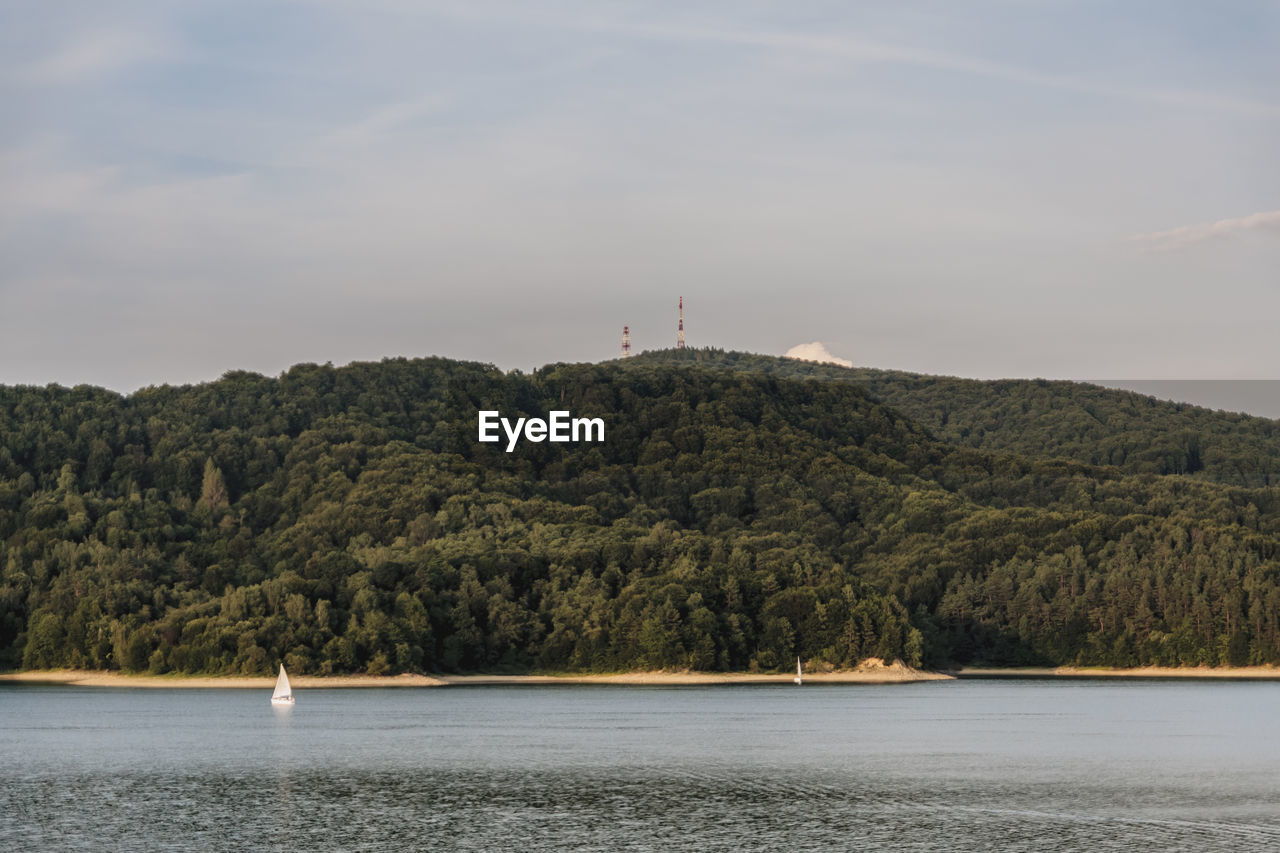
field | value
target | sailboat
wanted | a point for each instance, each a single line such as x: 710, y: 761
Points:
x: 284, y: 693
x: 797, y: 679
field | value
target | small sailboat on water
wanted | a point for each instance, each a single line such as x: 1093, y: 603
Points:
x: 798, y: 679
x: 284, y: 693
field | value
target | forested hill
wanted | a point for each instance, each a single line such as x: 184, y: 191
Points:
x: 1037, y: 417
x: 347, y: 519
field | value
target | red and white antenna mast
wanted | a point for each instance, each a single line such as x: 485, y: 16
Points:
x: 680, y: 328
x: 626, y: 342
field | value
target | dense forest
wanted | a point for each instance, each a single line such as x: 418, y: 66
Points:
x: 741, y: 511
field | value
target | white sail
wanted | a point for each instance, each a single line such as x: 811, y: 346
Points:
x: 284, y: 693
x: 798, y: 675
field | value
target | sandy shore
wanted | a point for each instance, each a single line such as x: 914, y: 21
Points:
x: 871, y: 673
x: 88, y: 678
x: 868, y: 674
x: 863, y: 675
x: 1256, y: 672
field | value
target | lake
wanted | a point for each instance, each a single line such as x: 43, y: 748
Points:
x: 1019, y: 764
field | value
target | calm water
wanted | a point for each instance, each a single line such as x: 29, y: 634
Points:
x: 1018, y: 765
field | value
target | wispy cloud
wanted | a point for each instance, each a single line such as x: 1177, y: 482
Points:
x: 1190, y: 235
x: 383, y: 122
x: 94, y: 53
x: 816, y: 351
x: 842, y: 46
x: 861, y: 50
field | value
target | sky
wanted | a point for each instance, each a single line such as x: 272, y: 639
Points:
x: 998, y: 188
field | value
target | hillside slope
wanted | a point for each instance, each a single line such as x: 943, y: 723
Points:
x: 1037, y: 417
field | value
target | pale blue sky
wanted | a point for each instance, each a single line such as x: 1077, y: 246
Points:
x: 982, y: 189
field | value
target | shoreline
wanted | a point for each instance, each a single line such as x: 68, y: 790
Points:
x: 896, y: 674
x: 111, y: 678
x: 1255, y: 673
x: 871, y: 674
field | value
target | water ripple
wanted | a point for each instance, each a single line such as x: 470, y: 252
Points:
x: 674, y: 810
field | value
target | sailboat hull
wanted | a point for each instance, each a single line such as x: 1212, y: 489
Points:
x: 282, y: 700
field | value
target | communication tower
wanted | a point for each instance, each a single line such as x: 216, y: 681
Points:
x: 626, y: 342
x: 680, y: 328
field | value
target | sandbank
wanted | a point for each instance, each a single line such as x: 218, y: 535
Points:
x: 91, y: 678
x: 891, y: 674
x: 1249, y: 672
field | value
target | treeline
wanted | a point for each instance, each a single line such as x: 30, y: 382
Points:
x: 347, y: 519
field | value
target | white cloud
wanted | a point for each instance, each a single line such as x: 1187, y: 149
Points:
x: 1189, y: 235
x: 816, y: 351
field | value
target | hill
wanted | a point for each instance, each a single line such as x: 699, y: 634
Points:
x: 1036, y: 417
x: 347, y: 519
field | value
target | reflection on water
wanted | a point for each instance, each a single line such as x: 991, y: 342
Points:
x: 1027, y: 765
